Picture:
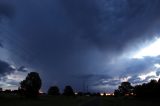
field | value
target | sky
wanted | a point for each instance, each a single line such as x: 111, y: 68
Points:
x: 89, y: 44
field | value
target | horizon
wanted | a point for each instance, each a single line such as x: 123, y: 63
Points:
x: 88, y: 44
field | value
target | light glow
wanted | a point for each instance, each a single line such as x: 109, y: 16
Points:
x: 152, y: 50
x: 157, y: 65
x: 102, y: 94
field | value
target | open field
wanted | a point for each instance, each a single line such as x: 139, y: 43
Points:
x: 76, y: 101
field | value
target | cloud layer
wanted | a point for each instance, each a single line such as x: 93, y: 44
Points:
x: 65, y: 40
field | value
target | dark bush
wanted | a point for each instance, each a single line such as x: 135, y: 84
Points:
x: 53, y: 90
x: 68, y: 91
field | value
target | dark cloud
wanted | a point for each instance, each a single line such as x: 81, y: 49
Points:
x: 5, y: 68
x: 1, y: 45
x: 109, y: 82
x: 137, y: 66
x: 137, y: 80
x: 148, y: 78
x: 6, y: 10
x: 158, y: 72
x: 22, y: 69
x: 66, y: 40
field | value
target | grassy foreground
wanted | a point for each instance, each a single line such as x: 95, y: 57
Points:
x: 77, y: 101
x: 124, y: 101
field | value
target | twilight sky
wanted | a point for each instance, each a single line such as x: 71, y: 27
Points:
x: 92, y: 43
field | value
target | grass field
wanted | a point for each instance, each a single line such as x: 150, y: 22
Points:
x: 76, y: 101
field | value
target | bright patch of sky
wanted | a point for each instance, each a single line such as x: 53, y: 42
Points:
x: 151, y: 50
x: 11, y: 81
x: 150, y: 74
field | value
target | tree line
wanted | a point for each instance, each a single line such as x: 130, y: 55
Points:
x: 31, y: 85
x: 145, y: 90
x: 30, y: 88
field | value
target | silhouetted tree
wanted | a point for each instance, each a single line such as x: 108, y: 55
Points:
x: 138, y: 90
x: 68, y: 91
x: 150, y: 89
x: 117, y: 92
x: 124, y: 89
x: 53, y: 90
x: 145, y: 90
x: 158, y: 88
x: 31, y: 85
x: 8, y: 91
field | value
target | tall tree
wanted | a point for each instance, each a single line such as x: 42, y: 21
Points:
x: 124, y: 89
x: 31, y: 85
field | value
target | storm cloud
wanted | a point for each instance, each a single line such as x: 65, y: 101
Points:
x: 5, y: 68
x: 65, y: 40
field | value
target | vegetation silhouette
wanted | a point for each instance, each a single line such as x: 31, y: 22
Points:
x: 149, y: 90
x: 124, y: 89
x: 53, y: 90
x: 145, y: 90
x: 68, y: 91
x: 31, y: 85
